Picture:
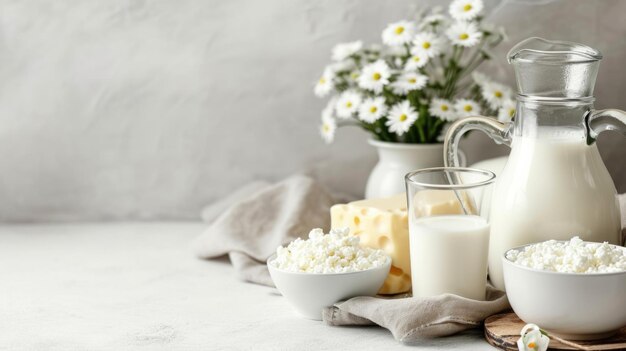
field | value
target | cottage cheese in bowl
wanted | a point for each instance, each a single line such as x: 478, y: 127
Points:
x: 316, y: 273
x: 573, y: 289
x: 574, y: 256
x: 335, y: 252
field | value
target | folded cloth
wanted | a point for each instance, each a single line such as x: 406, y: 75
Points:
x: 411, y: 319
x: 260, y: 217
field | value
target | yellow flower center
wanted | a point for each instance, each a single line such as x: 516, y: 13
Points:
x: 399, y: 30
x: 412, y: 80
x: 326, y: 128
x: 467, y: 7
x: 403, y: 117
x: 348, y: 104
x: 511, y: 112
x: 373, y: 109
x: 426, y: 45
x: 444, y: 107
x: 416, y: 58
x: 498, y: 94
x: 532, y: 345
x: 463, y: 36
x: 467, y: 108
x: 376, y: 76
x: 322, y: 80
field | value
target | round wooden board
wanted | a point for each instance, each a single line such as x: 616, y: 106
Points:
x: 502, y: 331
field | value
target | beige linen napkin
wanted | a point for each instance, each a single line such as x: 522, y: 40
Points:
x: 260, y: 217
x: 410, y: 319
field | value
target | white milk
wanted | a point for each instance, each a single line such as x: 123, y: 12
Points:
x: 449, y: 255
x: 551, y: 188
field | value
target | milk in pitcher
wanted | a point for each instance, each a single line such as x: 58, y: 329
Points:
x: 553, y: 186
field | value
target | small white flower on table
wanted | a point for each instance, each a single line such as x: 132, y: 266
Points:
x: 532, y: 339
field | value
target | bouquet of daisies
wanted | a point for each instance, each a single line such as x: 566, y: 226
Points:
x: 419, y: 81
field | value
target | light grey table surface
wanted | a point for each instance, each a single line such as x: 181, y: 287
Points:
x: 137, y: 286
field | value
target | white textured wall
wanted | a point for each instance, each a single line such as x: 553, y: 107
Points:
x: 144, y: 109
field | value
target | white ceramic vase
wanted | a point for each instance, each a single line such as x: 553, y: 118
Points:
x: 395, y: 160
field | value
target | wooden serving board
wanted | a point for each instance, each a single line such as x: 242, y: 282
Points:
x: 502, y: 331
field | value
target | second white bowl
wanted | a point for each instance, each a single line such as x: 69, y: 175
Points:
x: 570, y: 305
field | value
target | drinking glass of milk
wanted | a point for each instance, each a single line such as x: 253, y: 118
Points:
x: 449, y: 230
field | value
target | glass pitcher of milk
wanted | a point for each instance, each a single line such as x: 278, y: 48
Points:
x: 554, y: 185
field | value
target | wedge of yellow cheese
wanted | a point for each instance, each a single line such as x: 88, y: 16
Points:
x: 383, y: 224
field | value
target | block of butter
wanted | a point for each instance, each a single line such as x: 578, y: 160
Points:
x: 383, y: 224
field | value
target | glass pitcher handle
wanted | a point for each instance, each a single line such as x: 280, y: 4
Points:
x: 602, y: 120
x: 499, y: 132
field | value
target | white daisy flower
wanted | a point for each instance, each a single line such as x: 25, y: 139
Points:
x: 532, y: 339
x: 443, y: 109
x: 409, y: 81
x: 464, y: 34
x: 465, y: 10
x: 345, y: 50
x: 507, y: 111
x: 325, y: 84
x: 418, y: 59
x: 327, y: 130
x: 466, y: 108
x: 399, y: 33
x: 495, y: 94
x: 374, y: 76
x: 347, y: 104
x: 372, y: 109
x: 428, y: 43
x: 401, y: 117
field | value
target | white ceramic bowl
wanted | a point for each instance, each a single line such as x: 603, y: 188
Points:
x: 573, y: 306
x: 309, y: 293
